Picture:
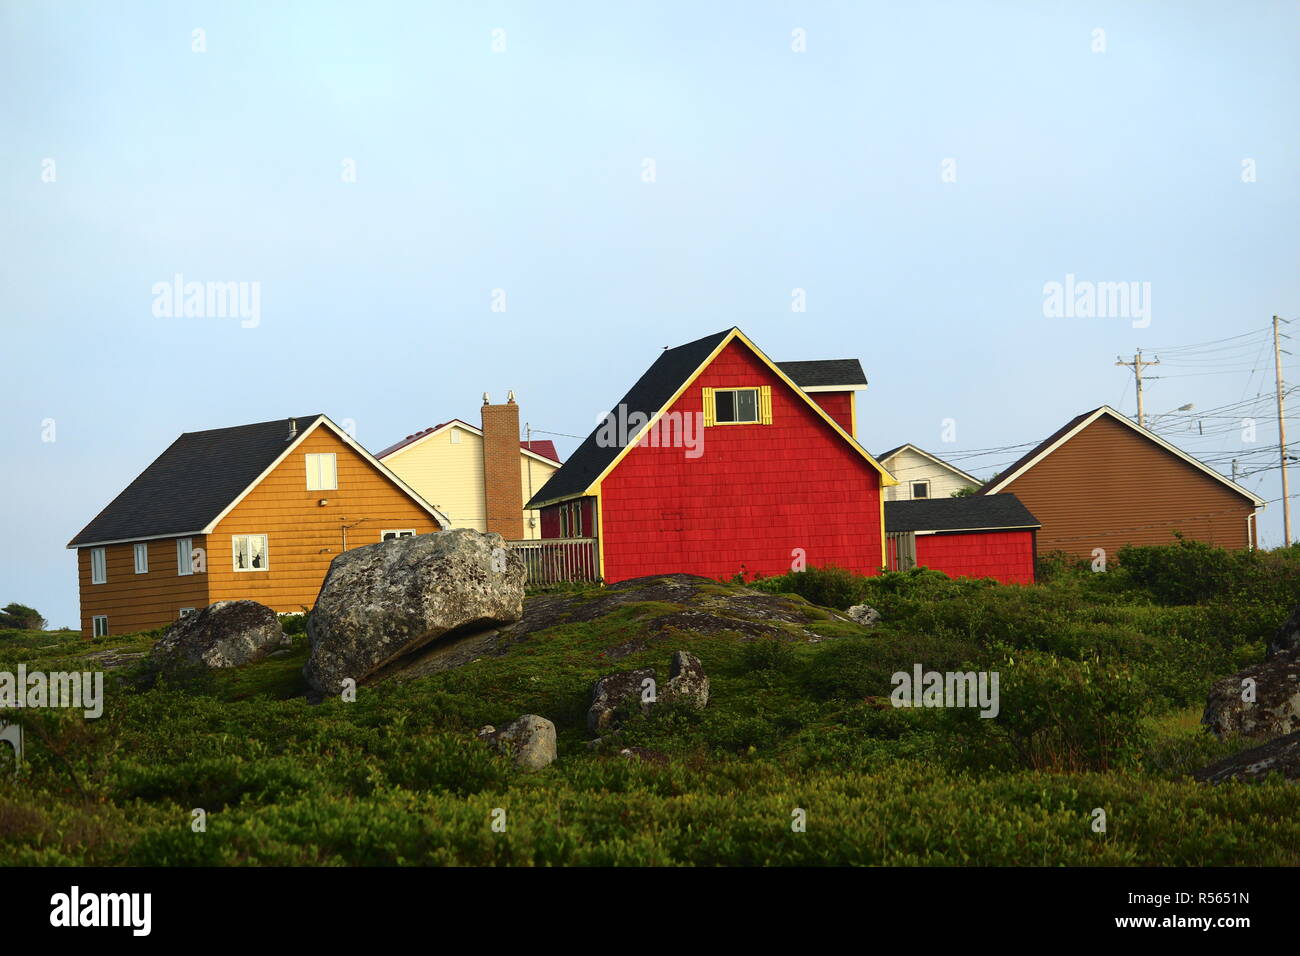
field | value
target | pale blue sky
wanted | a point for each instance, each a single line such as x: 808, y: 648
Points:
x: 522, y: 170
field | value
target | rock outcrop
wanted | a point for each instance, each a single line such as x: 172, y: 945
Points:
x: 528, y: 740
x: 1261, y: 701
x: 864, y: 614
x: 687, y: 682
x: 615, y: 694
x: 381, y: 602
x: 225, y: 634
x: 1280, y: 756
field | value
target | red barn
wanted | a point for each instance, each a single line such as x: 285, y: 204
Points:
x: 978, y: 536
x: 719, y: 459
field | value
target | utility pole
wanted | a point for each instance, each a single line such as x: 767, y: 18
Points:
x: 1137, y: 365
x: 1281, y: 429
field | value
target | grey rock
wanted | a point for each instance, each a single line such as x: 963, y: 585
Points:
x: 1275, y: 710
x: 380, y: 602
x: 225, y: 634
x: 529, y: 740
x: 1281, y: 755
x: 687, y: 682
x: 864, y: 615
x: 613, y: 691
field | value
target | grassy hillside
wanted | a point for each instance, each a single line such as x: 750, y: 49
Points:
x: 1102, y: 677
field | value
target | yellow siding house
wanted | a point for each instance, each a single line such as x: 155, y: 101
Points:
x: 446, y: 464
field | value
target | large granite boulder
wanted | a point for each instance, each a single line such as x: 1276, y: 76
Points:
x: 225, y: 634
x: 528, y: 740
x: 383, y: 601
x: 1275, y: 709
x: 1280, y: 756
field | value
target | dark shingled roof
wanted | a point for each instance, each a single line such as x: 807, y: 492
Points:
x: 650, y: 393
x: 959, y: 514
x: 192, y: 482
x: 825, y: 372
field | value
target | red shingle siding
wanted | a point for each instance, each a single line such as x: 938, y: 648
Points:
x: 1007, y: 556
x: 838, y: 405
x: 755, y: 494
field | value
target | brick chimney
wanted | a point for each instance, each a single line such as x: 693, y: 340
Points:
x: 503, y: 484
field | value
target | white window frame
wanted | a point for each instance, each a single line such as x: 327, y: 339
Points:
x: 234, y: 553
x: 758, y: 405
x: 95, y: 628
x: 141, y: 557
x: 184, y: 611
x: 911, y: 489
x: 315, y: 477
x: 184, y: 556
x: 98, y: 566
x: 397, y: 533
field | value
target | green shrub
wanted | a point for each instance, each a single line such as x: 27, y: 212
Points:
x: 1059, y: 715
x: 769, y: 654
x: 829, y: 586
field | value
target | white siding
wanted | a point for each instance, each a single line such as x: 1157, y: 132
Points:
x: 907, y: 466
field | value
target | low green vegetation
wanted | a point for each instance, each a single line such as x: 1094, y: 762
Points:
x: 1102, y: 677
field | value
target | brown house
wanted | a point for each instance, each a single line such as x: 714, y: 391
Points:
x: 1102, y: 481
x: 252, y: 512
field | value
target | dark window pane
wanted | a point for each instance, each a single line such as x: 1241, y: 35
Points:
x: 725, y: 404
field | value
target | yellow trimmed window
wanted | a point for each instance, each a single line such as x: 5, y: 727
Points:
x: 738, y: 406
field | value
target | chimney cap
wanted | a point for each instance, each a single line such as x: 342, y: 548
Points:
x: 510, y: 397
x: 486, y: 400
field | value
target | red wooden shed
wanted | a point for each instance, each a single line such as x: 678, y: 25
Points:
x: 978, y: 536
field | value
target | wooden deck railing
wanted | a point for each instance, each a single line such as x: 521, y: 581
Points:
x: 558, y: 560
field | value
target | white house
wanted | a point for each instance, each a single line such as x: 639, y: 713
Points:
x: 921, y: 475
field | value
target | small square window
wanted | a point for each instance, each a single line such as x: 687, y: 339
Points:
x: 736, y: 406
x: 249, y: 551
x: 184, y: 556
x: 98, y: 566
x: 322, y: 472
x: 920, y: 489
x: 99, y: 625
x: 142, y: 559
x: 394, y: 535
